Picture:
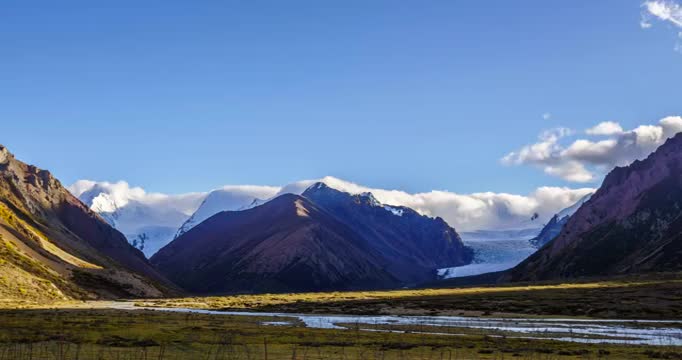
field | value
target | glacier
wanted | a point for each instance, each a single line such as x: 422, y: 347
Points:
x: 494, y: 250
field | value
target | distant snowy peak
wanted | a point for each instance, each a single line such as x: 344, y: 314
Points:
x: 100, y: 200
x: 103, y: 202
x: 227, y: 199
x: 148, y: 220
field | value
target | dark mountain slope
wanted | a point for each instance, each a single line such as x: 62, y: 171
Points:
x: 287, y: 244
x: 54, y: 247
x: 412, y: 245
x: 632, y: 224
x: 323, y: 240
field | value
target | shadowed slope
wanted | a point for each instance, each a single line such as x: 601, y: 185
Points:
x: 323, y: 240
x: 411, y: 245
x: 287, y: 244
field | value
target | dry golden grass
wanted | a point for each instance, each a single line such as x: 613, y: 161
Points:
x: 629, y: 298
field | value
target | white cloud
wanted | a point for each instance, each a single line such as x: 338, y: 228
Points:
x: 605, y: 128
x: 154, y: 216
x: 664, y: 10
x: 571, y: 171
x: 547, y: 116
x: 107, y: 196
x: 540, y: 152
x: 584, y: 160
x: 466, y: 212
x: 667, y: 11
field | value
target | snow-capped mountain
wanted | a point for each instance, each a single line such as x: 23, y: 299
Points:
x: 227, y: 199
x: 157, y: 218
x: 323, y: 239
x: 147, y: 220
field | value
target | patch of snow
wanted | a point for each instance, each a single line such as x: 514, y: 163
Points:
x: 395, y: 211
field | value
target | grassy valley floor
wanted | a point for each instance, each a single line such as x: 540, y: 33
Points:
x: 650, y: 297
x: 146, y: 334
x: 94, y: 330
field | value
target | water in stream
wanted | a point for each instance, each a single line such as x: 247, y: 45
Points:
x: 642, y: 332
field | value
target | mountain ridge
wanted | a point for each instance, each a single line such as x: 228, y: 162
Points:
x: 306, y: 233
x: 631, y: 224
x: 54, y: 246
x: 286, y: 244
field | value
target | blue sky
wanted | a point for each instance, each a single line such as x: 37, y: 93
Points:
x: 418, y: 96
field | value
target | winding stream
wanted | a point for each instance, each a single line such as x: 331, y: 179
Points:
x: 640, y: 332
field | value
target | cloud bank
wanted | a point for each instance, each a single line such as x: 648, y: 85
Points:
x: 466, y: 212
x: 587, y: 159
x: 106, y: 196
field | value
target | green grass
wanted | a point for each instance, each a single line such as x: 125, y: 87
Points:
x: 650, y: 297
x: 145, y: 334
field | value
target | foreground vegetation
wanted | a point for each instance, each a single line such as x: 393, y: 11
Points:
x: 145, y: 334
x: 646, y: 297
x: 72, y: 330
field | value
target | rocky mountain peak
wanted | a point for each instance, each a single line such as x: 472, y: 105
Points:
x: 322, y: 190
x: 368, y: 198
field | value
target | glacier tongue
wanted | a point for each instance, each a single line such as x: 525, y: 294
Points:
x: 493, y: 251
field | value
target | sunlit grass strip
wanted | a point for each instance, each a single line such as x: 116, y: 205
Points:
x: 253, y: 301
